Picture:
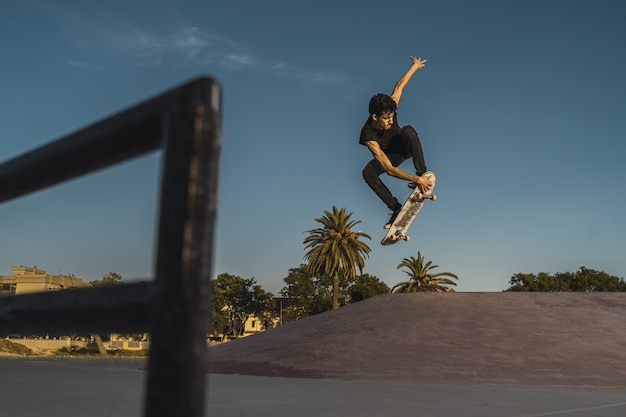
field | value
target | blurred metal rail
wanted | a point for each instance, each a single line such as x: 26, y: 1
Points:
x: 185, y: 123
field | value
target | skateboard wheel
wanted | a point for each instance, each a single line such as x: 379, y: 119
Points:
x: 433, y: 197
x: 407, y: 238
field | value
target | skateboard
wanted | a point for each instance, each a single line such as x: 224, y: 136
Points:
x: 409, y: 210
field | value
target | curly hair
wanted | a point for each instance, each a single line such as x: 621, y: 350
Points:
x: 382, y: 103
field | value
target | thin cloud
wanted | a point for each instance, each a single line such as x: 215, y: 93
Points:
x: 192, y: 45
x: 191, y: 38
x: 238, y: 61
x: 77, y: 64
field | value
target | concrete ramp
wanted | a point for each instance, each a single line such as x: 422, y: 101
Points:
x: 547, y: 339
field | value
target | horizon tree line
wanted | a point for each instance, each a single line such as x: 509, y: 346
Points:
x: 332, y: 276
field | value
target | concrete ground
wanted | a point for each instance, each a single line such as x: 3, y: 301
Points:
x: 232, y: 395
x: 427, y: 354
x: 526, y: 339
x: 107, y: 388
x: 463, y: 354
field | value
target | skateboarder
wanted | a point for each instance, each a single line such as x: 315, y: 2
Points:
x: 391, y: 145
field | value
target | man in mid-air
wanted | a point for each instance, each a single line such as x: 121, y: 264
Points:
x: 391, y: 144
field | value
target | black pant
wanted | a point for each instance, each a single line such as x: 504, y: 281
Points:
x: 405, y: 146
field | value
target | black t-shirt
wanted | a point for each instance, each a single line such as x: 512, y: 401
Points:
x: 386, y: 138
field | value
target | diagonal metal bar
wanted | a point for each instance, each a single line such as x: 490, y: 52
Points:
x: 129, y: 133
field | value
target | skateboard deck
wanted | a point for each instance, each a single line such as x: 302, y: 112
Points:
x: 410, y: 208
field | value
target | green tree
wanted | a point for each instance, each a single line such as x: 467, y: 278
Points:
x: 334, y: 250
x: 307, y: 294
x: 112, y: 278
x: 540, y: 282
x: 585, y: 280
x: 366, y: 286
x: 218, y: 305
x: 421, y: 279
x: 239, y: 298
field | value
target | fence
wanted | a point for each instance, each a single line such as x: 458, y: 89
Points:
x: 185, y: 124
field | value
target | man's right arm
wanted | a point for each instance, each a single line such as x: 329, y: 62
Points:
x: 386, y: 164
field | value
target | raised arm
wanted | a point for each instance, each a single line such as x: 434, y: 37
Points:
x: 418, y: 64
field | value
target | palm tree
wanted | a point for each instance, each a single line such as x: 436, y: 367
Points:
x: 420, y: 277
x: 335, y: 251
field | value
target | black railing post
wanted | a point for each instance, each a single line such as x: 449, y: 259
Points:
x: 178, y: 358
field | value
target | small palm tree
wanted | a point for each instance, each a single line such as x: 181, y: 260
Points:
x: 335, y: 251
x: 421, y: 279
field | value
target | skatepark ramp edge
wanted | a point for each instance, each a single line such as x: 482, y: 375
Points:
x: 530, y: 338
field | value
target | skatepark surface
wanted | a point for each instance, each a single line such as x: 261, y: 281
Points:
x: 436, y: 354
x: 512, y: 338
x: 423, y: 354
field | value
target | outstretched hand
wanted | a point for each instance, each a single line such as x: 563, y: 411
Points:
x: 419, y: 62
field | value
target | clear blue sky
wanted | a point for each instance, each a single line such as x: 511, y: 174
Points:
x: 521, y: 110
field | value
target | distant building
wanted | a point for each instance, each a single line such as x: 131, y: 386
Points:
x: 27, y: 280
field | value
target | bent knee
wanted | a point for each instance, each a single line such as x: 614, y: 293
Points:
x: 367, y: 174
x: 408, y: 129
x: 370, y: 174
